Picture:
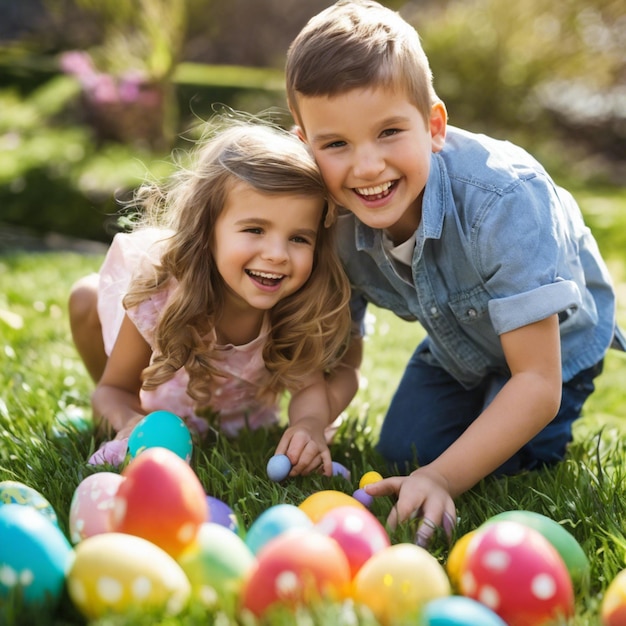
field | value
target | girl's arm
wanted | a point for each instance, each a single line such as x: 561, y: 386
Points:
x: 313, y: 407
x: 116, y: 397
x: 528, y: 401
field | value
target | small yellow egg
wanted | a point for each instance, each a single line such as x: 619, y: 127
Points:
x: 368, y: 478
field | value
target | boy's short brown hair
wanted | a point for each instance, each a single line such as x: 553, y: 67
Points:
x: 358, y: 44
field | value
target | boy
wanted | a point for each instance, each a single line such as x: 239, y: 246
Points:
x: 464, y: 233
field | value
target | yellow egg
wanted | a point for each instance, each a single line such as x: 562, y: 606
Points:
x: 368, y: 478
x: 115, y: 572
x: 456, y: 558
x: 397, y: 581
x: 319, y: 503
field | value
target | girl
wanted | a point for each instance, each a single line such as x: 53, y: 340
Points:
x: 236, y: 295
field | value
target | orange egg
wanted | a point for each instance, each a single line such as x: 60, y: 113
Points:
x: 614, y: 603
x: 297, y: 568
x: 456, y: 559
x: 319, y: 503
x: 161, y: 500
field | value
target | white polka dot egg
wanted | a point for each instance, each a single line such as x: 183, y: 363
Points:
x: 115, y: 573
x: 517, y: 573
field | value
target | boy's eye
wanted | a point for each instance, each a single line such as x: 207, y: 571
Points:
x: 335, y: 144
x: 388, y: 132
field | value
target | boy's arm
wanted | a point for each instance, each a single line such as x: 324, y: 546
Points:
x: 527, y: 402
x: 313, y: 408
x: 115, y: 400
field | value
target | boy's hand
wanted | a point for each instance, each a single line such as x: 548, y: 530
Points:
x: 423, y: 494
x: 305, y: 445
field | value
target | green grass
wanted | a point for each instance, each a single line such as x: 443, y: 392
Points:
x: 42, y: 380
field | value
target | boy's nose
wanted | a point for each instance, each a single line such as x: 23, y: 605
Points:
x: 368, y: 164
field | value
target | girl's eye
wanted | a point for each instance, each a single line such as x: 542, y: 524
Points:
x: 300, y: 239
x: 254, y: 231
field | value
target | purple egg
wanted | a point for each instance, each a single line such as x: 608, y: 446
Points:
x: 363, y: 497
x: 341, y: 470
x: 221, y: 513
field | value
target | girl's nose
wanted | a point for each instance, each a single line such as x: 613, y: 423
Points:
x: 275, y: 250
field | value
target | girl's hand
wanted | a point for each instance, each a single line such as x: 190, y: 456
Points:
x: 305, y: 445
x: 424, y: 494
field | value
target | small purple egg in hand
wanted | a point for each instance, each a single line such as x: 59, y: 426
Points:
x: 278, y: 467
x: 363, y: 497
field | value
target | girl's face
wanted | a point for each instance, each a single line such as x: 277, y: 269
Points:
x: 265, y: 244
x: 373, y: 148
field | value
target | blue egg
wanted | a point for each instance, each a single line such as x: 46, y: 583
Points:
x: 458, y: 611
x: 274, y: 521
x: 35, y: 556
x: 14, y: 492
x: 278, y: 467
x: 161, y: 429
x: 220, y: 513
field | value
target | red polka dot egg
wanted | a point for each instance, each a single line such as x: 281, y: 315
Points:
x: 297, y: 568
x: 516, y: 572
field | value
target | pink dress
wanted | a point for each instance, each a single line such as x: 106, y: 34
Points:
x: 234, y: 403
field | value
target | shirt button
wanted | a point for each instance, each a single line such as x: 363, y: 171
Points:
x: 471, y: 312
x: 434, y: 311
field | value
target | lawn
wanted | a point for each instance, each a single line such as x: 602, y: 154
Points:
x: 44, y: 384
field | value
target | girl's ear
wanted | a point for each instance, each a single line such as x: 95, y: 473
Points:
x: 438, y: 124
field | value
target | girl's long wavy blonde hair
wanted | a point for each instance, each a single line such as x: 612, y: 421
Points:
x: 308, y: 329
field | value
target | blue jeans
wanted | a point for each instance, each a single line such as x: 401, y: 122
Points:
x: 430, y: 410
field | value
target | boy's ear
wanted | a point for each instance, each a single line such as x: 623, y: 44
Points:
x: 438, y: 124
x: 299, y: 132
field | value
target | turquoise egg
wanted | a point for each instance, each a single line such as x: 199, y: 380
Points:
x: 14, y: 492
x: 274, y: 521
x: 34, y: 556
x: 161, y: 429
x: 458, y: 611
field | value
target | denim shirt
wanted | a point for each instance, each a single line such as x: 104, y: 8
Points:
x: 499, y: 246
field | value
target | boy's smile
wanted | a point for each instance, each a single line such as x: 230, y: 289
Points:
x: 373, y: 148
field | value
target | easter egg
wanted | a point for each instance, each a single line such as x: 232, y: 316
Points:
x: 161, y: 500
x: 456, y: 559
x: 363, y: 497
x: 340, y: 470
x: 278, y: 467
x: 216, y: 565
x: 566, y: 545
x: 274, y: 521
x: 458, y: 611
x: 318, y: 504
x: 297, y: 568
x: 92, y: 501
x: 613, y: 608
x: 220, y: 513
x: 161, y: 429
x: 116, y: 572
x: 14, y: 492
x: 357, y: 531
x: 34, y: 556
x: 397, y: 581
x: 515, y: 571
x: 368, y: 478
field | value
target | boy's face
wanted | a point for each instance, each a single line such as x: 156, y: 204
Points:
x: 373, y: 149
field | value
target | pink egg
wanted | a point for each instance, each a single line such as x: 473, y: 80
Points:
x: 516, y: 572
x: 357, y: 531
x: 91, y: 505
